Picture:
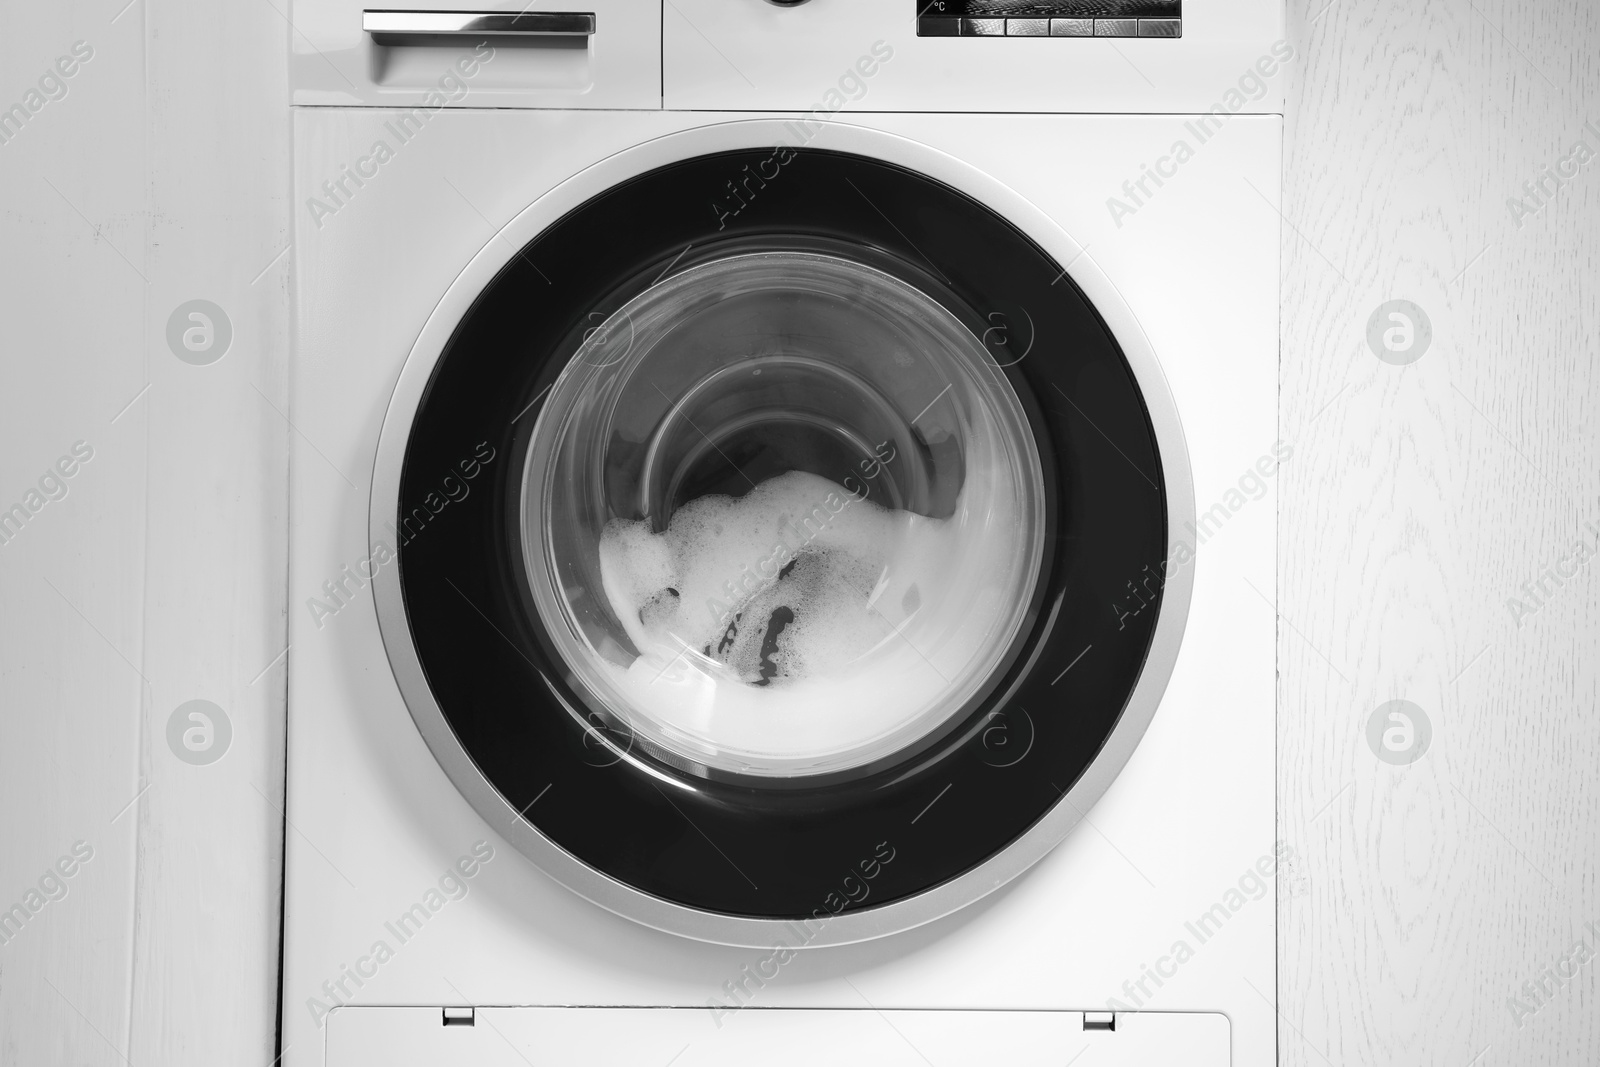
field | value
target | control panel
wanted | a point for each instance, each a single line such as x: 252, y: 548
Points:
x: 818, y: 56
x: 1049, y: 18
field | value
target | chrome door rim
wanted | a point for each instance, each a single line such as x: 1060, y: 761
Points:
x: 849, y: 926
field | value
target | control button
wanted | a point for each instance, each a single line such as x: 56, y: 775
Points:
x: 1027, y: 27
x: 1072, y: 27
x: 983, y: 27
x: 1116, y: 27
x: 1160, y: 27
x: 934, y: 27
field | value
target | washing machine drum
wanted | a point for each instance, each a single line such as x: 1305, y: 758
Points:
x: 781, y: 559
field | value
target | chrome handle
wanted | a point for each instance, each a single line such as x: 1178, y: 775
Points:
x: 389, y: 23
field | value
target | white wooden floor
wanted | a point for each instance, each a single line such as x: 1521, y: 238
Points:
x: 1428, y: 899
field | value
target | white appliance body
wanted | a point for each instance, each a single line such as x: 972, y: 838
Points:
x: 1159, y: 906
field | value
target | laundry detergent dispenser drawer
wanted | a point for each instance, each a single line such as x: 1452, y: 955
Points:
x: 431, y: 55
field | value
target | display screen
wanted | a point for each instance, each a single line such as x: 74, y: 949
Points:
x: 1049, y: 18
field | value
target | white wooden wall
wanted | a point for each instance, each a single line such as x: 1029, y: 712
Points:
x: 1420, y: 499
x: 159, y: 578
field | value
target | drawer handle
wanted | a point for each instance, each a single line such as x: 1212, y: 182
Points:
x: 388, y: 23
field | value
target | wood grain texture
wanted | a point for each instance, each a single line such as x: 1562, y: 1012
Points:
x: 158, y: 177
x: 1420, y: 499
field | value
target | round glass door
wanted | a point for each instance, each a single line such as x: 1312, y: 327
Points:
x: 809, y: 554
x: 782, y: 516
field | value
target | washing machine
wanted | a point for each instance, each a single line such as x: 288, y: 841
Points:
x: 782, y: 550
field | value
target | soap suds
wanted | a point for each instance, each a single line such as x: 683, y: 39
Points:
x: 799, y: 619
x: 773, y: 585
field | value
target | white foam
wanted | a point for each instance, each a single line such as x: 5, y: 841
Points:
x: 799, y: 621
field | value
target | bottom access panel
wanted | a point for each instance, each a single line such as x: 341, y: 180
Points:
x: 773, y: 1037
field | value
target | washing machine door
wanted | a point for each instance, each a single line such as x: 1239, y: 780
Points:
x: 782, y: 533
